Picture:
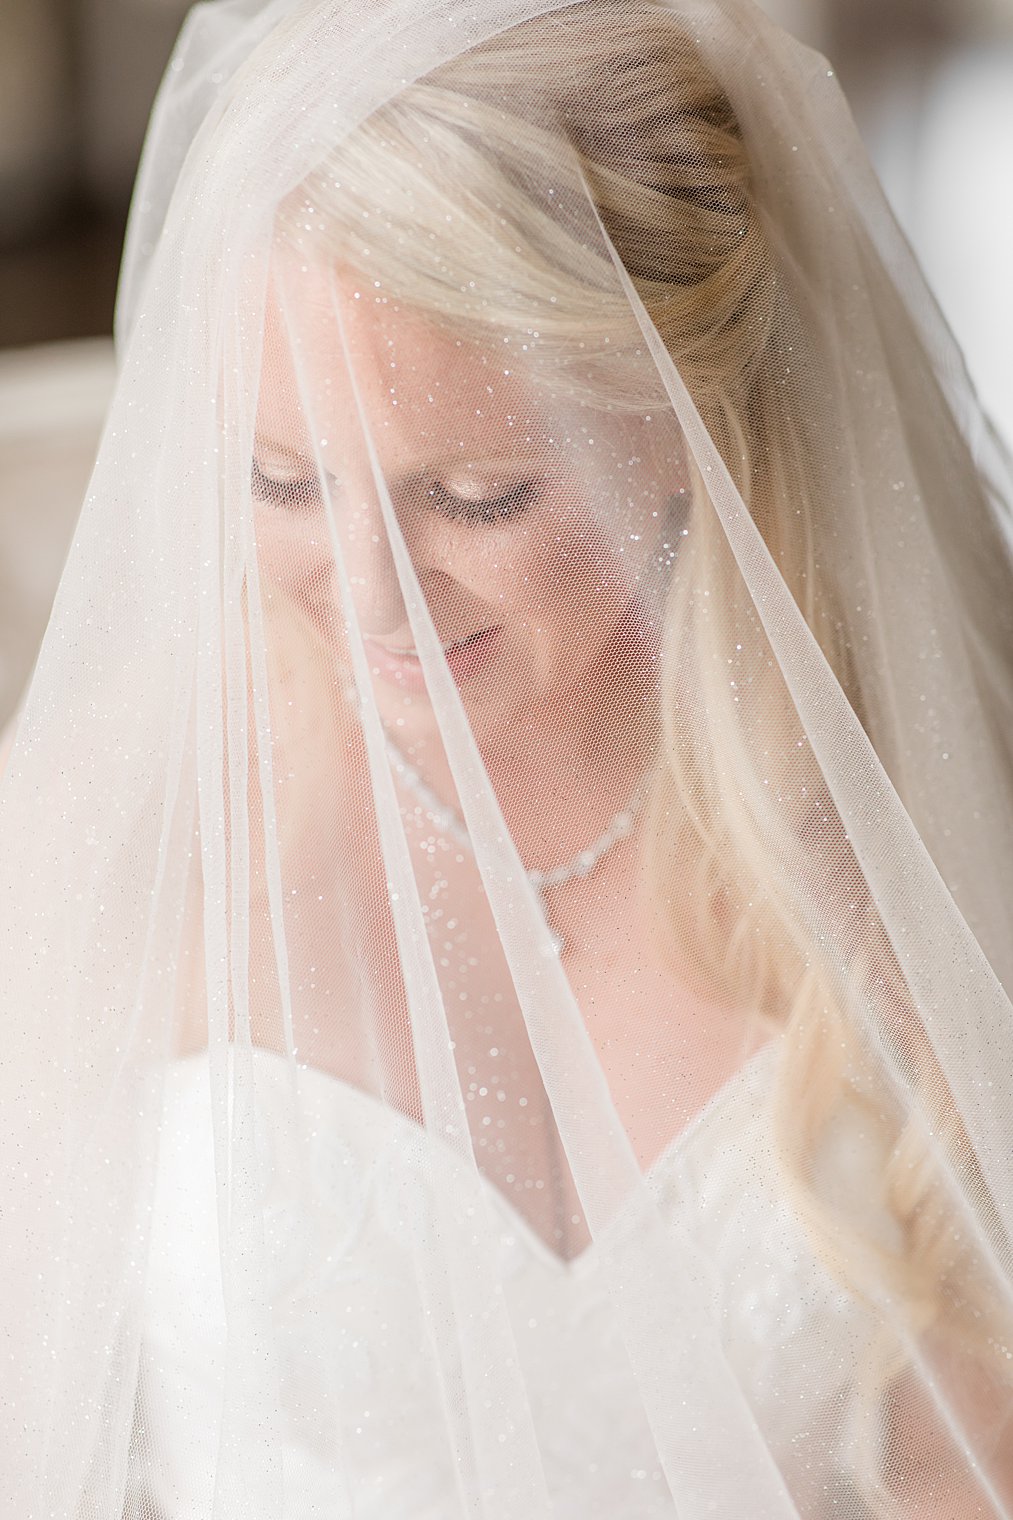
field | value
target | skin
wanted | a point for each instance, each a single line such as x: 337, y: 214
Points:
x: 607, y: 919
x: 578, y: 640
x: 560, y: 704
x: 508, y: 507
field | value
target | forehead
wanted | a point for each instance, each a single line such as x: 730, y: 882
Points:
x: 337, y: 350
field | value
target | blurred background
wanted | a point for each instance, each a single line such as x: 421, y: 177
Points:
x: 930, y: 82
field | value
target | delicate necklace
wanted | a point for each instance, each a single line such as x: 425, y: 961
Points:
x: 581, y: 865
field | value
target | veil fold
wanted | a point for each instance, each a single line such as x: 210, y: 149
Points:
x: 507, y: 850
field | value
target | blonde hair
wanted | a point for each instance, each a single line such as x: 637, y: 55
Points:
x: 649, y: 129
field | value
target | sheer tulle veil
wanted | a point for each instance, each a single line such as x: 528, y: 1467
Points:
x: 507, y: 851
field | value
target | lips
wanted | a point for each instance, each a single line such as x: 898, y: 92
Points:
x: 403, y: 668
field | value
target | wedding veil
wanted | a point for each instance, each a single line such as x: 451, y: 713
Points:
x: 507, y: 852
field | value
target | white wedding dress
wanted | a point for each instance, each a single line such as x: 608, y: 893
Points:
x: 350, y: 1318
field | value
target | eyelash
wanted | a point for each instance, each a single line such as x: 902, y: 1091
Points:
x: 486, y: 510
x: 489, y: 510
x: 302, y: 492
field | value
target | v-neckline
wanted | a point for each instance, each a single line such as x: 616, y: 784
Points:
x: 584, y: 1260
x: 576, y: 1266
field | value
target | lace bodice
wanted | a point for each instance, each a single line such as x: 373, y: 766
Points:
x: 344, y: 1248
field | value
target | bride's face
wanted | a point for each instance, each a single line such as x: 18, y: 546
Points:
x: 529, y: 526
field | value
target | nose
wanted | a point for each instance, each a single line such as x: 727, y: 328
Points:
x: 370, y: 567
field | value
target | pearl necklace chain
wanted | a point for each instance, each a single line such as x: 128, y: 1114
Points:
x: 581, y: 865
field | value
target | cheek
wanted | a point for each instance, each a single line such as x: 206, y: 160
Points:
x: 580, y: 571
x: 493, y: 569
x: 294, y: 553
x: 584, y: 594
x: 550, y: 586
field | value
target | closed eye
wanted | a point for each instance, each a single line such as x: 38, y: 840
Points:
x: 301, y: 492
x: 293, y: 492
x: 484, y: 509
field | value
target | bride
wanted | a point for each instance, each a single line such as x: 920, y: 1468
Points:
x: 508, y: 843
